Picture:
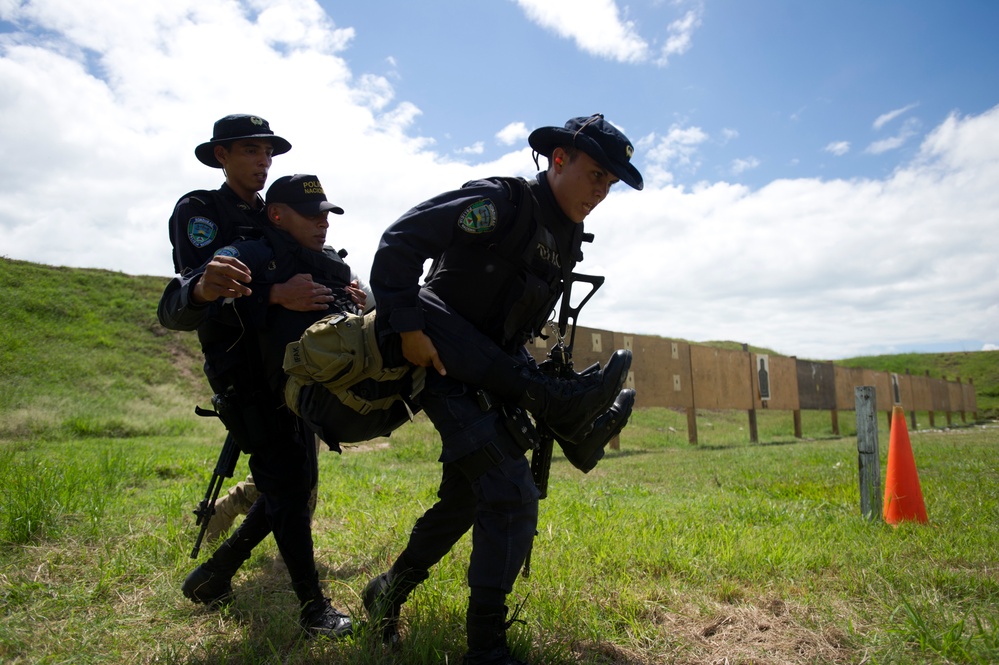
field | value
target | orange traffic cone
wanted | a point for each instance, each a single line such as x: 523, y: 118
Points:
x: 903, y: 496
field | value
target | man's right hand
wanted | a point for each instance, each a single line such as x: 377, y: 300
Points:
x: 419, y: 350
x: 224, y: 277
x: 301, y: 294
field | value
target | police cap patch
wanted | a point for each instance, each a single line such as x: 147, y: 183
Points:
x: 201, y: 231
x: 480, y: 217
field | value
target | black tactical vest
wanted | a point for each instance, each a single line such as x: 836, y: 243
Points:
x: 508, y: 288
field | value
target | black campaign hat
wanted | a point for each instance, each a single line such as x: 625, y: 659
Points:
x: 234, y: 128
x: 303, y: 193
x: 597, y: 138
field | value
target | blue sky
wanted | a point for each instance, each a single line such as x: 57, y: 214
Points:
x: 776, y: 89
x: 820, y: 175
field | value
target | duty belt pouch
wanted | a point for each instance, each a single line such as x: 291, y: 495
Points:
x: 519, y: 426
x: 245, y: 421
x: 515, y: 421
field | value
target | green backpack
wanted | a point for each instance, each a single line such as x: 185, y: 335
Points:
x: 340, y: 352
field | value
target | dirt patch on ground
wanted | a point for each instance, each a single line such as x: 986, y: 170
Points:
x: 770, y: 632
x: 184, y: 356
x: 773, y: 632
x: 367, y: 446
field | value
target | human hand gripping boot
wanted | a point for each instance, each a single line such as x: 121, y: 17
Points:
x: 569, y: 406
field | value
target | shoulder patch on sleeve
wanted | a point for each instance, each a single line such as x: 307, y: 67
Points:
x: 480, y: 217
x: 201, y: 231
x: 228, y: 250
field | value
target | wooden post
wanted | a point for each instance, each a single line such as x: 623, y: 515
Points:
x: 834, y: 415
x: 797, y: 412
x: 692, y: 425
x: 869, y: 460
x: 912, y: 412
x: 754, y: 434
x: 964, y: 417
x: 692, y: 411
x: 974, y: 413
x: 932, y: 420
x: 948, y: 411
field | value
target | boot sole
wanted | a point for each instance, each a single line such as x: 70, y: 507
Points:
x: 606, y: 427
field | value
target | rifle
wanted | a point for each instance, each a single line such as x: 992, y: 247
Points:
x: 559, y: 364
x: 224, y: 468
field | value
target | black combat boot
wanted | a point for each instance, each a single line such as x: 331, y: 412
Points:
x: 211, y: 582
x: 587, y: 449
x: 384, y: 595
x: 486, y: 627
x: 320, y: 619
x: 569, y: 406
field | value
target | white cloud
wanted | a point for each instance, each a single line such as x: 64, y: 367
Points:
x: 677, y: 150
x: 909, y: 129
x: 476, y: 148
x: 110, y: 155
x: 838, y: 148
x: 597, y: 27
x: 680, y: 37
x: 885, y: 118
x: 818, y: 269
x: 513, y: 134
x: 743, y: 165
x: 990, y: 347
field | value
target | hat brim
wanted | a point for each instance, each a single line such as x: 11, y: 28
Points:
x: 315, y: 208
x: 544, y: 140
x: 206, y: 151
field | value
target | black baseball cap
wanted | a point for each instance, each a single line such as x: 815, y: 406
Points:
x: 236, y: 127
x: 302, y: 193
x: 599, y: 139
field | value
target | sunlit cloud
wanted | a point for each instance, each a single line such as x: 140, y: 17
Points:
x: 838, y: 148
x: 512, y: 134
x: 885, y: 118
x: 909, y: 129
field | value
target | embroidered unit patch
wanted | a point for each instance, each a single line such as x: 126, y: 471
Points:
x: 228, y: 250
x: 480, y: 217
x: 201, y: 231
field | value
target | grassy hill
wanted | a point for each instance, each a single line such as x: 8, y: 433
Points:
x: 81, y: 353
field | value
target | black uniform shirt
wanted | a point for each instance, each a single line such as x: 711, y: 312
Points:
x: 204, y: 221
x: 467, y: 222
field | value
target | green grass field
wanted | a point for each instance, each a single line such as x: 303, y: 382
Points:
x: 724, y: 552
